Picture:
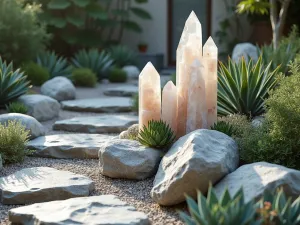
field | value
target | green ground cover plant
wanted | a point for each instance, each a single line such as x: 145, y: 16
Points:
x: 36, y: 74
x: 16, y: 107
x: 117, y: 75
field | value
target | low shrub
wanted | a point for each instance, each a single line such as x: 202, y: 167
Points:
x: 271, y: 209
x: 36, y: 74
x: 117, y: 75
x: 277, y: 140
x: 13, y: 140
x: 156, y: 134
x: 240, y: 124
x: 84, y: 77
x: 225, y: 128
x: 16, y: 107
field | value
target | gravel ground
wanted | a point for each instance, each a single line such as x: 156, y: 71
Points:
x: 136, y: 193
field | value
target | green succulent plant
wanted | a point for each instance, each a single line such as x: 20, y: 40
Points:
x: 16, y: 107
x: 156, y: 134
x: 13, y: 83
x: 224, y: 211
x: 56, y: 65
x: 225, y: 128
x: 278, y: 209
x: 98, y: 62
x: 242, y: 87
x: 123, y: 56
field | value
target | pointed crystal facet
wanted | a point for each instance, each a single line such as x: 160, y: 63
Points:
x: 196, y: 106
x: 210, y: 57
x: 169, y: 105
x: 149, y: 95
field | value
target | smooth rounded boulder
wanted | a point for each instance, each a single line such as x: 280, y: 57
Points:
x: 195, y: 160
x: 35, y: 128
x: 41, y: 107
x: 59, y: 88
x: 246, y: 50
x: 121, y: 158
x: 258, y: 177
x: 132, y: 72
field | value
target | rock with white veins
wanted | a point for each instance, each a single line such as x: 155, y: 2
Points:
x: 95, y: 210
x: 257, y: 177
x: 42, y: 184
x: 97, y: 124
x: 194, y: 161
x: 68, y: 146
x: 121, y: 158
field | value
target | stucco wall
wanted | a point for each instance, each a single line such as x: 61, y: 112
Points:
x: 155, y: 31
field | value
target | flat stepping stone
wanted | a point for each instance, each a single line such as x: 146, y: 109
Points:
x: 68, y: 146
x: 101, y: 105
x: 125, y: 91
x: 97, y: 124
x: 42, y: 184
x: 95, y: 210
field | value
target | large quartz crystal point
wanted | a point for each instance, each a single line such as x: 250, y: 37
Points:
x: 169, y: 105
x: 149, y: 95
x: 210, y: 57
x: 196, y: 105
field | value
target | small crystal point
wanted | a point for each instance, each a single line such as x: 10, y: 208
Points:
x: 169, y: 105
x: 210, y: 49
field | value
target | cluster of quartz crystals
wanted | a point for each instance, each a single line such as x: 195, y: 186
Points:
x: 192, y: 103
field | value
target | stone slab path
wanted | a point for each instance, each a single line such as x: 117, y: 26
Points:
x: 99, y: 105
x: 42, y: 184
x: 104, y: 209
x: 97, y: 124
x: 123, y: 91
x: 68, y: 146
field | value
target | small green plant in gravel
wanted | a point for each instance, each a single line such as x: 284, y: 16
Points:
x: 16, y: 107
x: 36, y: 74
x: 156, y: 134
x: 225, y: 128
x: 84, y: 77
x: 13, y: 140
x: 117, y: 75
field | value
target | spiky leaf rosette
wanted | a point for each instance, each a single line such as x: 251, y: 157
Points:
x: 225, y: 128
x: 156, y: 134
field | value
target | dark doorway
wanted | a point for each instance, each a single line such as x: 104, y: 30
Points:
x: 178, y: 12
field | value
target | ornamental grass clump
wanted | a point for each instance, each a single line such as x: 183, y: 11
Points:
x: 16, y: 107
x: 13, y: 140
x: 157, y: 134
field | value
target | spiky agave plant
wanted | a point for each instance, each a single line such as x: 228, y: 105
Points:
x: 56, y: 65
x: 156, y: 134
x: 225, y: 128
x: 93, y: 59
x: 224, y: 211
x: 123, y: 56
x: 242, y: 87
x: 13, y: 83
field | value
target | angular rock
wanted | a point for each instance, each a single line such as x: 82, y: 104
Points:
x: 97, y: 124
x: 95, y: 210
x: 121, y: 158
x: 194, y: 161
x: 105, y: 104
x: 257, y: 177
x: 59, y: 88
x: 41, y: 107
x: 36, y: 129
x: 123, y: 91
x: 68, y: 146
x: 132, y: 72
x: 42, y: 184
x: 245, y: 50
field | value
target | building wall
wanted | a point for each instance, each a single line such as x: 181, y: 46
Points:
x: 155, y: 30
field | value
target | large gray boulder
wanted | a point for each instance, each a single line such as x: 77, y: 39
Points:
x: 129, y: 159
x: 95, y: 210
x: 132, y: 72
x: 194, y: 161
x: 42, y: 184
x: 257, y: 177
x: 59, y: 88
x: 245, y: 50
x: 41, y: 107
x: 35, y: 128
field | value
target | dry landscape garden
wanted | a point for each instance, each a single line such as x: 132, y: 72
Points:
x: 87, y: 137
